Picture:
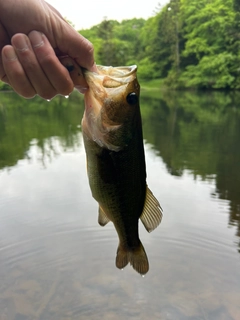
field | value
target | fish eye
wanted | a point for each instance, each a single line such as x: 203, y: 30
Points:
x: 132, y: 98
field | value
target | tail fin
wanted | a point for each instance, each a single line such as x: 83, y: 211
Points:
x: 136, y: 256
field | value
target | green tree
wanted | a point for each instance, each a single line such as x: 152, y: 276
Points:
x: 190, y: 43
x: 208, y: 27
x: 164, y: 46
x: 107, y: 51
x: 161, y: 50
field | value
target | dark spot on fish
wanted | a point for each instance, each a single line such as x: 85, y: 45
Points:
x: 132, y: 98
x: 70, y: 68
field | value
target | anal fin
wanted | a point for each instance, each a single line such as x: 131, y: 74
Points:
x: 152, y: 211
x: 102, y: 217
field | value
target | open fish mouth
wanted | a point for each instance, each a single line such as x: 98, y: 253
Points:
x: 117, y: 72
x: 111, y: 77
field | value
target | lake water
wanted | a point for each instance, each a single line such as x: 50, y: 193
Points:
x: 57, y: 263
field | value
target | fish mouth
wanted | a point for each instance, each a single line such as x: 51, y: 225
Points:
x: 110, y: 77
x: 117, y: 72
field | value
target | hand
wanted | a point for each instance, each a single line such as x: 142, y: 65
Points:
x: 36, y: 44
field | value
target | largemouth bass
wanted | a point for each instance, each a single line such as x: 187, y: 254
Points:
x: 112, y: 132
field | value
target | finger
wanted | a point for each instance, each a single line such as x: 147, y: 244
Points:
x: 15, y: 74
x: 32, y: 68
x: 76, y: 46
x: 50, y: 64
x: 76, y: 73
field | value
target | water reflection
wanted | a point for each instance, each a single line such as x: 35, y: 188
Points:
x: 200, y: 133
x: 195, y: 132
x: 37, y: 121
x: 57, y: 263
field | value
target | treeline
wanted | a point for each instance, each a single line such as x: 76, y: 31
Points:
x: 189, y: 43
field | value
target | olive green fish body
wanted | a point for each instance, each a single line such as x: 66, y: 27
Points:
x: 112, y: 133
x: 118, y: 182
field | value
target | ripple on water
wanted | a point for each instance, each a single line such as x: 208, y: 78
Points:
x: 200, y: 242
x: 57, y: 246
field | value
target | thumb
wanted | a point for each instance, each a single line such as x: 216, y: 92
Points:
x: 73, y: 44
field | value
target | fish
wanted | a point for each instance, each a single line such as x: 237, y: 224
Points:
x: 116, y: 168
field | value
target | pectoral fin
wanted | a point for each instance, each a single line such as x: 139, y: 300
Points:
x: 102, y: 218
x: 152, y: 212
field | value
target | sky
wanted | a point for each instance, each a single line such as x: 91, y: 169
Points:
x: 87, y: 13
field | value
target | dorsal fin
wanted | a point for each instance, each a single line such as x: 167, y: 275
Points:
x: 152, y: 212
x: 102, y: 218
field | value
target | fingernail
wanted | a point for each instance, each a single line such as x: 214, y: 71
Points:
x: 9, y: 53
x: 36, y: 38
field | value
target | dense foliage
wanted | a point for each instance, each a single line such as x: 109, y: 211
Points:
x: 189, y: 43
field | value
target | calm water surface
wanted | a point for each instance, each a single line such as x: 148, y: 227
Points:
x: 57, y: 263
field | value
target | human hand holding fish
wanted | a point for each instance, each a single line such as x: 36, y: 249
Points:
x: 33, y: 39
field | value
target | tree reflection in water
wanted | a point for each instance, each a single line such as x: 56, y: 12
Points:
x: 194, y: 131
